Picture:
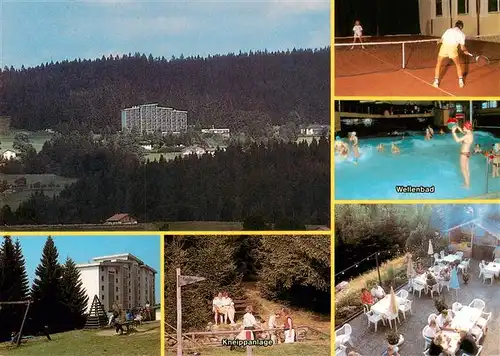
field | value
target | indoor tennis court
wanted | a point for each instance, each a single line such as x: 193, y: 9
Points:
x: 404, y: 66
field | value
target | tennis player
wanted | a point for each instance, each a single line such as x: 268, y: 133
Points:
x: 358, y: 34
x: 450, y: 41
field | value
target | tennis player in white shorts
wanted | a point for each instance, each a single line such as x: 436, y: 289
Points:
x: 358, y: 34
x: 450, y: 41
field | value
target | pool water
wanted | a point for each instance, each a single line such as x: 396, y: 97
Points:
x: 421, y: 163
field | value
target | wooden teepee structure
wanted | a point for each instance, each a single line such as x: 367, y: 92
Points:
x: 97, y: 317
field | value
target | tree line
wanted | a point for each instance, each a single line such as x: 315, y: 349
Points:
x: 237, y: 91
x: 278, y: 182
x: 292, y: 270
x: 58, y: 298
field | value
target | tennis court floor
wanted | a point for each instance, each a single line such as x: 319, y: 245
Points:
x: 377, y: 70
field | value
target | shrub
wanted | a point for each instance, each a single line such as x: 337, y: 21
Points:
x: 440, y: 304
x: 392, y: 338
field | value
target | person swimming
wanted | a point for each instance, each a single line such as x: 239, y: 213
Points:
x: 380, y: 147
x: 395, y: 149
x: 465, y: 142
x: 429, y: 133
x: 355, y: 146
x: 441, y: 132
x: 477, y: 148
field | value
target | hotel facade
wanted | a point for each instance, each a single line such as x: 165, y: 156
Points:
x: 152, y: 118
x: 122, y: 279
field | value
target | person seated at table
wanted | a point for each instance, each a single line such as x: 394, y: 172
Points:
x: 435, y: 348
x: 420, y: 268
x: 445, y: 274
x: 432, y: 330
x: 467, y: 344
x: 378, y: 292
x: 367, y: 298
x: 444, y: 319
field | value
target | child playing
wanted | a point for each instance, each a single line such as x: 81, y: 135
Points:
x: 358, y: 34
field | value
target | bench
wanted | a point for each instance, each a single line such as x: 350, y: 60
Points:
x: 130, y: 324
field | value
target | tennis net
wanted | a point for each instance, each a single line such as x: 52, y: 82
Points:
x: 373, y: 57
x: 378, y: 56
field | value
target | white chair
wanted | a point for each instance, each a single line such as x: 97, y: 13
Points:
x: 480, y: 348
x: 343, y: 335
x: 488, y: 275
x: 483, y: 320
x: 391, y: 317
x: 403, y: 294
x: 427, y: 340
x: 341, y: 350
x: 404, y: 307
x: 477, y: 304
x: 456, y: 306
x: 435, y: 289
x: 436, y: 258
x: 366, y: 308
x: 374, y: 318
x: 432, y: 316
x: 442, y: 254
x: 481, y: 269
x: 417, y: 287
x: 496, y: 260
x: 460, y: 255
x: 443, y: 283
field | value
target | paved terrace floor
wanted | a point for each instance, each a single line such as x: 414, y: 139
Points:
x: 369, y: 343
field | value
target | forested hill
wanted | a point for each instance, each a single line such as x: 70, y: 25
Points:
x: 232, y: 91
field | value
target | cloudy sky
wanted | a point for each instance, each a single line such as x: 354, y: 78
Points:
x: 39, y: 31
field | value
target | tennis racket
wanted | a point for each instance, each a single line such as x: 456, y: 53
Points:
x: 480, y: 59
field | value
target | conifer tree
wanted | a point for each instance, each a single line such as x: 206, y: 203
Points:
x: 74, y: 296
x: 48, y: 308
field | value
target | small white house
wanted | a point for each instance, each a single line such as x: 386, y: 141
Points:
x: 193, y: 150
x: 9, y: 155
x: 147, y: 147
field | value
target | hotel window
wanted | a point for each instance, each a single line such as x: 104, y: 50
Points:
x: 117, y: 289
x: 117, y: 298
x: 489, y: 104
x: 493, y: 5
x: 102, y: 287
x: 102, y: 278
x: 102, y: 297
x: 463, y: 7
x: 439, y: 7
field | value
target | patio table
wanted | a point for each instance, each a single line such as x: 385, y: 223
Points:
x: 450, y: 346
x: 465, y: 318
x: 493, y: 267
x: 382, y: 306
x: 451, y: 258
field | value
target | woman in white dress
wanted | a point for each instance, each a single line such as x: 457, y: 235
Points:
x: 217, y: 308
x: 288, y: 326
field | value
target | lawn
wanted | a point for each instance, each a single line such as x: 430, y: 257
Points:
x: 16, y: 198
x: 204, y: 226
x: 144, y: 342
x: 169, y: 156
x: 309, y: 348
x: 37, y: 139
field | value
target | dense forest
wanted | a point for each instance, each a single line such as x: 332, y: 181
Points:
x: 287, y: 184
x: 292, y: 270
x: 57, y: 295
x: 233, y: 91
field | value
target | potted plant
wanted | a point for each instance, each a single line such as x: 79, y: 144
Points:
x: 440, y: 304
x: 394, y: 340
x: 465, y: 277
x: 431, y: 280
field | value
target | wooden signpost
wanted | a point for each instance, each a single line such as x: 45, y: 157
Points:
x: 182, y: 281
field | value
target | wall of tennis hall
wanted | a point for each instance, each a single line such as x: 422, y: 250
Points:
x: 433, y: 25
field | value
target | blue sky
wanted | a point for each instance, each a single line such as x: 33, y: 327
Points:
x: 83, y: 248
x: 39, y: 31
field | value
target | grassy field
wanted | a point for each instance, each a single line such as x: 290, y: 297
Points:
x: 37, y: 139
x: 144, y: 342
x: 14, y: 199
x: 169, y: 156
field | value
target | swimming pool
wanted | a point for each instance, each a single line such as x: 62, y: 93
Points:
x: 421, y: 163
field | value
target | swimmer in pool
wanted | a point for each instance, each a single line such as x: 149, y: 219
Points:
x: 380, y: 147
x: 466, y: 142
x: 395, y: 149
x: 431, y: 131
x: 477, y: 149
x: 355, y: 146
x: 428, y: 135
x: 441, y: 132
